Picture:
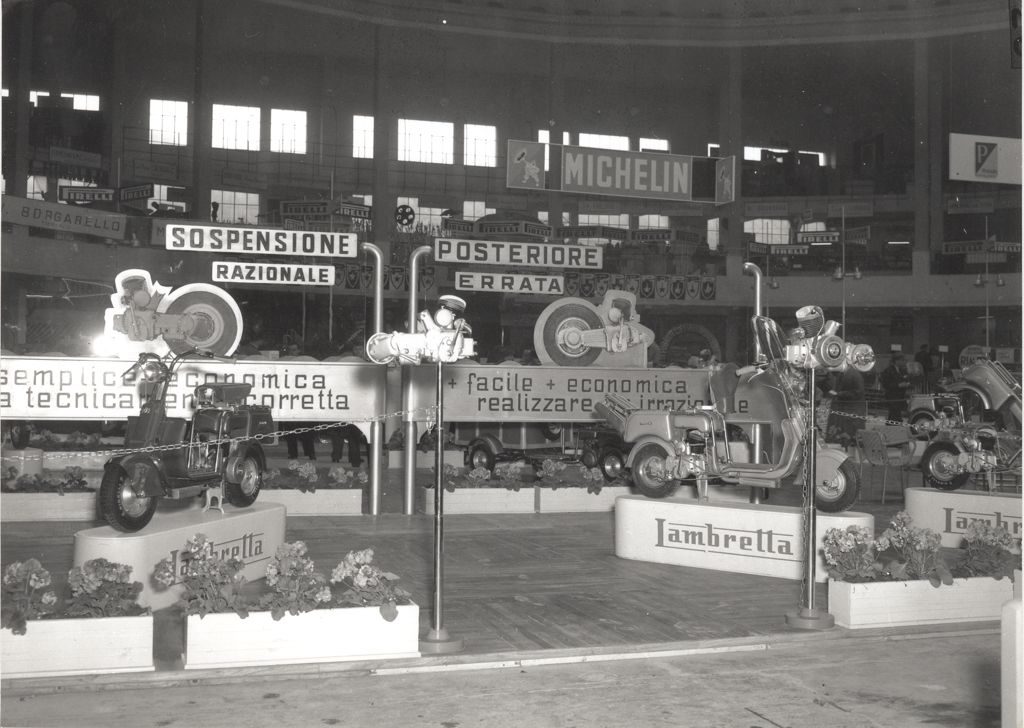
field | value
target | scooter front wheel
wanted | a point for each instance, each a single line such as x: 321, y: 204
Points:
x: 120, y: 506
x: 839, y: 490
x: 649, y: 474
x: 244, y: 493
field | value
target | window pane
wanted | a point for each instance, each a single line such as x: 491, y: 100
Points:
x: 604, y: 141
x: 479, y: 145
x: 288, y: 131
x: 33, y: 96
x: 83, y: 102
x: 236, y: 127
x: 236, y: 207
x: 543, y: 135
x: 426, y: 141
x: 653, y: 145
x: 362, y: 137
x: 475, y: 209
x: 168, y: 122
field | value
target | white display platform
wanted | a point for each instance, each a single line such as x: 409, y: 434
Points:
x: 252, y: 534
x: 737, y: 537
x: 950, y: 511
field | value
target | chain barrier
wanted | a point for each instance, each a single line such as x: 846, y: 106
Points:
x: 430, y: 411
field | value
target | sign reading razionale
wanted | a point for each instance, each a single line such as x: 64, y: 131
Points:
x: 649, y: 175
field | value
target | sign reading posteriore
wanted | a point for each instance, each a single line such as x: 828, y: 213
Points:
x: 650, y: 175
x: 225, y: 271
x: 53, y: 216
x: 490, y: 392
x: 84, y: 388
x: 496, y: 252
x: 265, y: 241
x: 509, y: 283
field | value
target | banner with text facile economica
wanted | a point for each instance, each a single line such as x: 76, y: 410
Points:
x: 84, y: 388
x: 264, y: 241
x: 492, y: 392
x: 650, y: 175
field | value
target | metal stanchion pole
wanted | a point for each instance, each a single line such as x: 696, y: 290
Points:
x: 409, y: 424
x: 807, y: 616
x: 437, y: 640
x: 377, y: 426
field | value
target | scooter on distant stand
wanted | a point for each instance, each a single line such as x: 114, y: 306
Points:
x: 216, y: 453
x: 754, y: 431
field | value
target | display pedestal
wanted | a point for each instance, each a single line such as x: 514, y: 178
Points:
x: 252, y: 534
x: 743, y: 538
x: 950, y: 512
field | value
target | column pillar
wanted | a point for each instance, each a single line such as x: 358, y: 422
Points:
x: 17, y: 161
x: 385, y: 144
x: 200, y: 122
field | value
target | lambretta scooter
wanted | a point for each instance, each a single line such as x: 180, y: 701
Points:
x: 753, y: 433
x: 959, y: 448
x: 216, y: 454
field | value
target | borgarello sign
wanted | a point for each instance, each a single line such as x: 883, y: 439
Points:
x: 493, y: 392
x: 69, y: 388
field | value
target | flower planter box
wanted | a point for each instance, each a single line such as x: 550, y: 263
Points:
x: 55, y: 647
x: 48, y: 507
x: 901, y: 603
x: 327, y: 502
x: 481, y: 500
x: 579, y: 500
x: 323, y: 635
x: 425, y: 460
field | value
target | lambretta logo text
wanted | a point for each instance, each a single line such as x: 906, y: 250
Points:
x: 757, y: 543
x: 248, y: 548
x: 958, y: 521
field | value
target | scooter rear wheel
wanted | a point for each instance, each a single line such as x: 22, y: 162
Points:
x: 649, y: 472
x: 119, y: 504
x: 244, y: 493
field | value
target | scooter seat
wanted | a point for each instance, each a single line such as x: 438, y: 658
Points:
x: 223, y: 393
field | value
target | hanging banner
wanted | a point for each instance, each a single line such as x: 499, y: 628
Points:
x: 509, y: 283
x: 627, y: 174
x: 494, y: 252
x: 525, y: 165
x: 265, y: 241
x: 225, y: 271
x: 53, y: 216
x: 84, y: 388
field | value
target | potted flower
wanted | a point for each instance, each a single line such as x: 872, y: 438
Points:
x: 575, y: 488
x: 482, y: 491
x: 302, y: 616
x: 902, y: 577
x: 302, y: 491
x: 29, y: 497
x: 98, y: 628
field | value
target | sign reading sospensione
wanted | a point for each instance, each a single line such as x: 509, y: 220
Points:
x: 265, y: 241
x: 497, y: 252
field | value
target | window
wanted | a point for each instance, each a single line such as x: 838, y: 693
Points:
x: 427, y: 218
x: 604, y: 141
x: 653, y: 145
x: 773, y: 231
x: 475, y: 209
x: 426, y: 141
x: 616, y: 221
x: 543, y: 135
x: 659, y: 222
x: 236, y: 207
x: 38, y: 187
x: 168, y: 122
x: 83, y: 102
x: 757, y: 154
x: 362, y: 137
x: 34, y: 96
x: 287, y: 131
x: 236, y: 127
x: 479, y: 145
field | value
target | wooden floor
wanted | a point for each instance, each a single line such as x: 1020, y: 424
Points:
x: 516, y: 583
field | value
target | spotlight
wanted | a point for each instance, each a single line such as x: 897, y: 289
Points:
x: 980, y: 281
x: 1000, y: 282
x: 773, y: 284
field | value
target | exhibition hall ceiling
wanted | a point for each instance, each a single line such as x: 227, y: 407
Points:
x: 700, y: 23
